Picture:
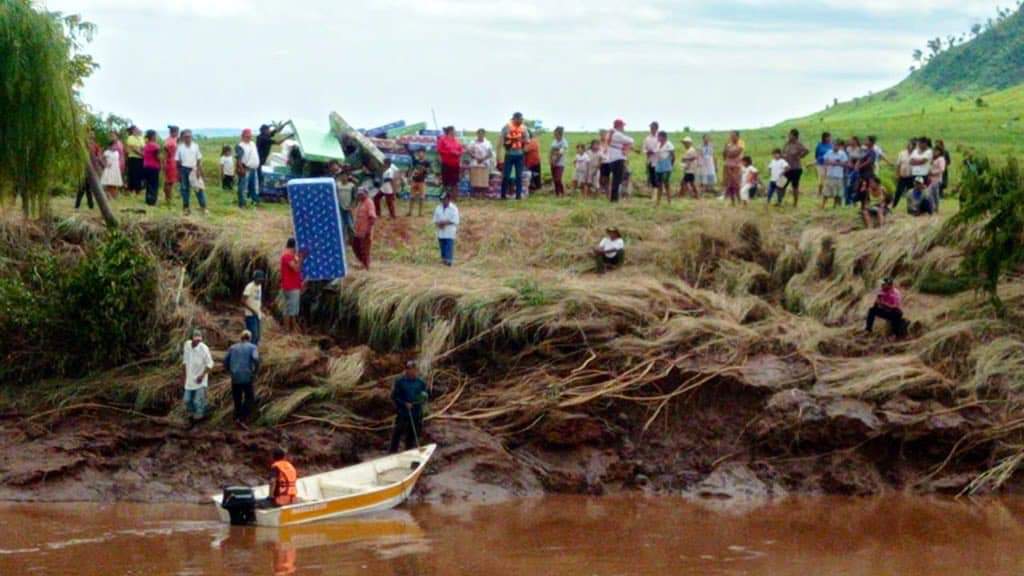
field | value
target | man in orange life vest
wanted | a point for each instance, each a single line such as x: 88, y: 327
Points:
x: 514, y: 138
x: 282, y: 482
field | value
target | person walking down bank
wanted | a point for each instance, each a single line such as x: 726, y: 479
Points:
x: 409, y: 395
x: 888, y: 305
x: 198, y: 362
x: 242, y: 362
x: 366, y: 217
x: 446, y: 220
x: 252, y: 299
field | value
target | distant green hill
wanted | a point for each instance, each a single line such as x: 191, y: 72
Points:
x: 992, y: 60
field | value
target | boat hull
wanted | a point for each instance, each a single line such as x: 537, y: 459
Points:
x: 373, y: 499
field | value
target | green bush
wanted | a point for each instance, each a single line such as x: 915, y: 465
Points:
x: 65, y: 319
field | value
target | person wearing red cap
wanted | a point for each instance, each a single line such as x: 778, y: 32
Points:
x: 619, y: 145
x: 248, y: 157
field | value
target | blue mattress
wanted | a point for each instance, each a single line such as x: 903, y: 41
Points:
x: 316, y: 218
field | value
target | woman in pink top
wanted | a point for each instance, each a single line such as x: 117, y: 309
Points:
x: 888, y: 305
x: 170, y: 161
x: 151, y: 167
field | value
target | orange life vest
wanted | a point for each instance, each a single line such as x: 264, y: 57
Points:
x: 284, y: 487
x: 514, y: 137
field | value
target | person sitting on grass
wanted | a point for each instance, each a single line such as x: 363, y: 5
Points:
x: 611, y: 251
x: 874, y: 203
x: 889, y: 306
x: 283, y: 482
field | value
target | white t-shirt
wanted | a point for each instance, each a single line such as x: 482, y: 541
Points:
x: 611, y: 248
x: 189, y: 155
x: 227, y: 165
x: 481, y: 154
x: 253, y: 298
x: 691, y: 159
x: 777, y: 169
x: 196, y: 359
x: 921, y: 169
x: 651, y: 148
x: 451, y: 214
x: 750, y: 173
x: 389, y: 177
x: 559, y: 148
x: 903, y: 164
x: 582, y: 162
x: 250, y: 155
x: 617, y: 146
x: 663, y: 152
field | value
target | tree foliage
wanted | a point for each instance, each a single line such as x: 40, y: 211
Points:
x: 41, y: 135
x: 67, y: 318
x: 992, y: 209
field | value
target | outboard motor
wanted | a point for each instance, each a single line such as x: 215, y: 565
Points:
x: 240, y: 502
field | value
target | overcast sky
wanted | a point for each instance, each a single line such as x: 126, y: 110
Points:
x: 580, y: 63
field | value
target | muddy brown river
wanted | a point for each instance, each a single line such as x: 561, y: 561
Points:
x: 556, y: 535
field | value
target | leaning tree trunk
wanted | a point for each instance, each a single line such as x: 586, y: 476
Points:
x: 101, y: 197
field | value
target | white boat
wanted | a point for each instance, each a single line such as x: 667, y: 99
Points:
x: 371, y: 486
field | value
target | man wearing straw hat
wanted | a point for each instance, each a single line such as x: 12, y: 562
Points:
x: 610, y: 252
x: 409, y: 394
x: 242, y: 361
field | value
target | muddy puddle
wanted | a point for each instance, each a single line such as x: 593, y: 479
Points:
x: 554, y: 535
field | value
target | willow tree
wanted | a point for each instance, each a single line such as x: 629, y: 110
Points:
x: 41, y: 127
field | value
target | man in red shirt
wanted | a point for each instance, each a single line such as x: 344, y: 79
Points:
x: 291, y: 284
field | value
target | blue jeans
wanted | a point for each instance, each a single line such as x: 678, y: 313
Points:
x: 447, y: 250
x: 348, y: 225
x: 195, y: 402
x: 185, y: 187
x: 250, y: 182
x: 517, y: 162
x: 253, y: 325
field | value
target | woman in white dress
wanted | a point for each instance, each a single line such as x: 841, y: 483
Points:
x: 111, y: 178
x: 707, y: 176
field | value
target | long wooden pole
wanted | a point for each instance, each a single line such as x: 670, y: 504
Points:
x: 101, y: 197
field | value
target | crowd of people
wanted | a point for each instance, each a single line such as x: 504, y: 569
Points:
x: 847, y: 173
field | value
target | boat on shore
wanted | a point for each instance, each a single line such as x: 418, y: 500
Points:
x: 371, y: 486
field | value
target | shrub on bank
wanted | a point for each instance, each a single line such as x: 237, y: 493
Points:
x: 65, y: 317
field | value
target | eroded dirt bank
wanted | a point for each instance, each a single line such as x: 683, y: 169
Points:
x: 741, y: 373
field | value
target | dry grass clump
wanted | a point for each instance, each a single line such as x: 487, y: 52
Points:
x: 878, y: 377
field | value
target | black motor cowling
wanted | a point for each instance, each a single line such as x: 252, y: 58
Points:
x: 240, y: 502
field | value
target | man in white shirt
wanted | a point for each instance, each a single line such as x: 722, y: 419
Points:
x: 248, y: 156
x: 391, y: 182
x: 610, y: 252
x: 921, y: 159
x: 188, y: 159
x: 252, y: 300
x: 446, y: 220
x: 650, y: 151
x: 198, y: 363
x: 619, y: 145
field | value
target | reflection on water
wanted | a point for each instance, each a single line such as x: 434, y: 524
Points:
x: 563, y: 535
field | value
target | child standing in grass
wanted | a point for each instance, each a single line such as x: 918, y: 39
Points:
x: 418, y: 188
x: 691, y: 168
x: 777, y: 172
x: 664, y: 161
x: 582, y: 164
x: 227, y: 169
x: 751, y: 178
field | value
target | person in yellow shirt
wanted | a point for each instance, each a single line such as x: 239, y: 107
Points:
x: 133, y: 145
